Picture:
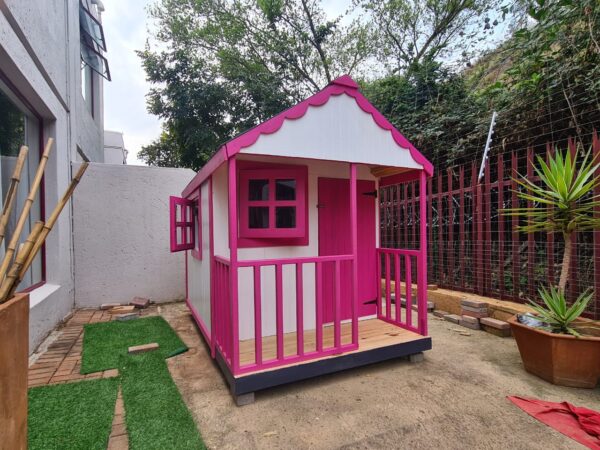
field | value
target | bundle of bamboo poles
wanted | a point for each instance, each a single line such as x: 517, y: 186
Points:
x: 16, y: 262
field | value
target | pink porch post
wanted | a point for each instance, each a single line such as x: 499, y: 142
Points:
x: 354, y: 234
x: 233, y: 265
x: 422, y: 270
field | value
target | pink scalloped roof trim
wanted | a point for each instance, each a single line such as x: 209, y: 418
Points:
x: 342, y: 85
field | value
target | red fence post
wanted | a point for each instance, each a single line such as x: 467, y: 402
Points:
x: 440, y: 258
x: 573, y: 282
x: 515, y: 234
x: 500, y: 167
x: 461, y: 225
x: 487, y: 213
x: 550, y: 236
x: 530, y: 236
x: 596, y: 310
x: 450, y: 230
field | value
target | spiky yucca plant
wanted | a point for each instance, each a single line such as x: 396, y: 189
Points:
x: 563, y: 203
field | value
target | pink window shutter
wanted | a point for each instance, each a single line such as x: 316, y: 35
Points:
x: 182, y: 223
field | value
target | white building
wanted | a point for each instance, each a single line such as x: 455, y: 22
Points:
x: 52, y: 70
x: 114, y: 148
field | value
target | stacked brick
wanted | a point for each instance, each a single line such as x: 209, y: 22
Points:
x: 474, y: 315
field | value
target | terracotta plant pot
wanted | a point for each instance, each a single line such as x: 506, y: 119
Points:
x: 558, y: 358
x: 14, y: 354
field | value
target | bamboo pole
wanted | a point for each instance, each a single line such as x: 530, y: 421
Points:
x: 11, y: 195
x: 12, y: 279
x: 26, y: 208
x: 47, y: 227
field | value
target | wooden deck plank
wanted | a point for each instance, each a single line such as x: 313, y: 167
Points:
x: 373, y: 334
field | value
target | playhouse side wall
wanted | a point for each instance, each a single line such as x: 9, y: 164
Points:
x: 198, y: 270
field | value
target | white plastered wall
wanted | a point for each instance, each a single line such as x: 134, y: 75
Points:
x: 198, y: 274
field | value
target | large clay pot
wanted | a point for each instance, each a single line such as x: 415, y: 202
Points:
x: 558, y: 358
x: 14, y: 353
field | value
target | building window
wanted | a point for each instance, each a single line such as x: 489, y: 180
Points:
x: 19, y: 126
x: 197, y: 211
x: 87, y: 87
x: 273, y: 203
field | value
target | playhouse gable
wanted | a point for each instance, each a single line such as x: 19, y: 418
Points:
x: 336, y: 124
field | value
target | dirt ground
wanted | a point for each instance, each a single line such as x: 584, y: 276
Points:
x: 454, y: 399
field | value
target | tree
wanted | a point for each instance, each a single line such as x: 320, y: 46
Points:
x: 415, y: 31
x: 221, y: 67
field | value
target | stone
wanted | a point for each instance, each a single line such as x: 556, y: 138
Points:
x: 472, y: 309
x: 440, y: 313
x: 140, y: 302
x: 432, y: 287
x: 452, y: 318
x: 477, y: 315
x: 473, y: 303
x: 416, y: 357
x: 495, y: 323
x: 104, y: 306
x: 244, y: 399
x: 142, y: 348
x: 122, y: 309
x: 415, y: 307
x: 469, y: 322
x: 496, y: 331
x: 126, y: 317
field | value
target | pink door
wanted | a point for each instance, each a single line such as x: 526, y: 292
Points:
x: 334, y: 239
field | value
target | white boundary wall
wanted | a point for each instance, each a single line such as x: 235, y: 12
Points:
x: 121, y: 234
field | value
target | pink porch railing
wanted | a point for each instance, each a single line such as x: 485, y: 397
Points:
x: 222, y: 310
x: 401, y: 266
x: 230, y: 349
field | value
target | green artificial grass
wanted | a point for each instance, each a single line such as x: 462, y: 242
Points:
x: 155, y: 414
x: 72, y: 415
x: 105, y: 343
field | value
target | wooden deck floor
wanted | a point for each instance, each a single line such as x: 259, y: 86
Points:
x: 373, y: 334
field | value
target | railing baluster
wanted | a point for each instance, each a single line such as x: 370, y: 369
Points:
x: 379, y: 299
x: 319, y: 306
x: 257, y: 317
x: 299, y: 310
x: 279, y: 309
x: 337, y: 339
x: 408, y: 287
x: 388, y: 294
x: 398, y: 288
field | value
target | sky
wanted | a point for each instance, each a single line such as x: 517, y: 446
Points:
x: 126, y: 26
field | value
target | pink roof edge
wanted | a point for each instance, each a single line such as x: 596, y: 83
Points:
x: 342, y: 85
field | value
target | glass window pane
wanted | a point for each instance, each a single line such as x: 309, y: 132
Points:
x: 258, y: 217
x: 285, y: 189
x: 285, y: 217
x: 16, y: 129
x: 258, y: 190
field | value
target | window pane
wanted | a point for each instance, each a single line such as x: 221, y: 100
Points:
x: 285, y: 217
x: 285, y: 189
x: 17, y: 129
x: 258, y: 217
x: 258, y: 190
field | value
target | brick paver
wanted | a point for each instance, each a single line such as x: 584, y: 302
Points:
x: 61, y: 363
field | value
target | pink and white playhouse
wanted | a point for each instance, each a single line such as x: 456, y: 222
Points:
x: 285, y: 276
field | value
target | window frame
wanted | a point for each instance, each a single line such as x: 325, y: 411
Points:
x: 181, y: 237
x: 272, y: 235
x: 197, y: 250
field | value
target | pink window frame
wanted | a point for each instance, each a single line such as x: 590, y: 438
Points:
x: 299, y: 174
x: 181, y: 237
x: 197, y: 250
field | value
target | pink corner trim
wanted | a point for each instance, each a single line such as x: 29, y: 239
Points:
x: 342, y: 85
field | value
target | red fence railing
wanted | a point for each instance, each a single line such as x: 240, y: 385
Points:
x: 473, y: 247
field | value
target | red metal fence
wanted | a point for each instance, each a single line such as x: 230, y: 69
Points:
x: 472, y: 247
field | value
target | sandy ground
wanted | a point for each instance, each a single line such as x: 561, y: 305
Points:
x: 454, y: 399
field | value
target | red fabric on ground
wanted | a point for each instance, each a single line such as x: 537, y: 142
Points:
x: 580, y: 424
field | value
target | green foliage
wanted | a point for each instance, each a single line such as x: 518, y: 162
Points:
x: 104, y: 343
x: 556, y: 313
x: 77, y: 415
x: 220, y: 68
x: 563, y: 199
x: 155, y: 414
